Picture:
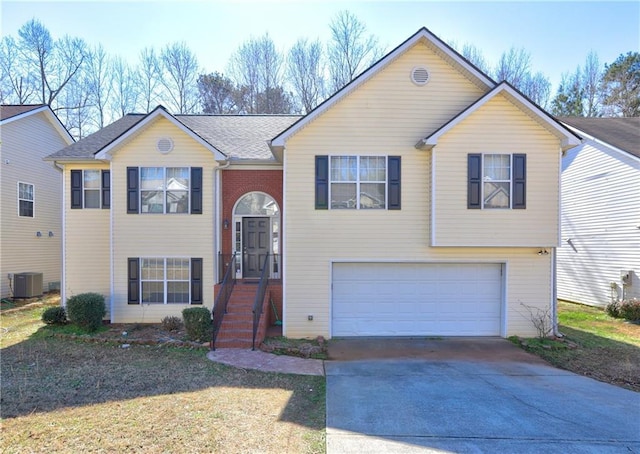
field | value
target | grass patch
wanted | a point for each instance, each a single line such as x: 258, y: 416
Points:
x: 62, y: 395
x: 594, y: 344
x: 304, y: 348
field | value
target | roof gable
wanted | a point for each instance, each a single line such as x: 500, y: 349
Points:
x: 11, y: 113
x: 422, y: 35
x: 567, y: 138
x: 160, y: 111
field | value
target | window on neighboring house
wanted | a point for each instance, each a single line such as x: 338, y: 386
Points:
x: 164, y: 190
x: 497, y: 181
x: 90, y: 188
x: 26, y: 198
x: 165, y: 280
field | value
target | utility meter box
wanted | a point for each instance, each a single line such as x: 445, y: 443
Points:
x: 626, y: 277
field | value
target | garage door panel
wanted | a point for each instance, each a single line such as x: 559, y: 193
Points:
x: 405, y: 299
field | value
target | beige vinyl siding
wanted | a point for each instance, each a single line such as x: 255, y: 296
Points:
x: 87, y: 247
x: 387, y: 115
x: 160, y: 235
x: 502, y: 128
x: 600, y: 216
x: 23, y: 143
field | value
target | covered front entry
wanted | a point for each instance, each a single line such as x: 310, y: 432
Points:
x: 416, y: 299
x: 256, y: 221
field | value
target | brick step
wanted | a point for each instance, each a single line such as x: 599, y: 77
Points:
x: 233, y: 343
x: 228, y: 325
x: 235, y: 306
x: 237, y: 317
x: 241, y: 334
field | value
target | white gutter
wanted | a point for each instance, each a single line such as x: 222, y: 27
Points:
x: 554, y: 295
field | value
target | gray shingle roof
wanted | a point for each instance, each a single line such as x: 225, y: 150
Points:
x: 240, y: 137
x: 11, y: 110
x: 622, y: 133
x: 90, y: 145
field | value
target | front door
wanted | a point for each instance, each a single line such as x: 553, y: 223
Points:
x: 255, y: 242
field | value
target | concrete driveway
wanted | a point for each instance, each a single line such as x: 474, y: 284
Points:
x: 468, y: 396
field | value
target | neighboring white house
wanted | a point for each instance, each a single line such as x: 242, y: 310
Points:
x: 600, y: 254
x: 31, y: 200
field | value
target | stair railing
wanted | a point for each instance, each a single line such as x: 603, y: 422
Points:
x: 220, y: 304
x: 257, y: 303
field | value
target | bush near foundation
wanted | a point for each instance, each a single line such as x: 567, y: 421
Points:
x: 197, y: 323
x: 86, y: 310
x: 55, y: 316
x: 627, y: 309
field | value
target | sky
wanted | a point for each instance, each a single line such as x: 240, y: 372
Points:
x: 558, y: 35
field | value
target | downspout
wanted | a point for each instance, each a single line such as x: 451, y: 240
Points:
x: 63, y: 293
x: 554, y: 294
x: 218, y: 215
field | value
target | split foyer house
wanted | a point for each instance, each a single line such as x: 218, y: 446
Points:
x: 599, y: 260
x: 422, y: 198
x: 30, y: 200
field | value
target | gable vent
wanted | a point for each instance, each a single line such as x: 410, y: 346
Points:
x: 419, y: 75
x: 164, y: 145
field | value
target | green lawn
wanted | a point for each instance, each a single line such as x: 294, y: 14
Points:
x: 595, y: 345
x: 61, y: 395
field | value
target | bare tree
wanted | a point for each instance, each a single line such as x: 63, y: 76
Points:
x: 257, y: 69
x: 179, y: 77
x: 475, y: 56
x: 74, y: 108
x: 98, y: 73
x: 591, y: 76
x: 148, y: 78
x: 305, y: 73
x: 350, y: 50
x: 125, y: 94
x: 55, y: 62
x: 537, y: 88
x: 17, y: 85
x: 513, y: 67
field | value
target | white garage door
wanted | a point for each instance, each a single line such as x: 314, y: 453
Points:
x: 410, y: 299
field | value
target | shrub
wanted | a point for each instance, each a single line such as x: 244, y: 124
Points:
x: 86, y: 310
x: 55, y: 316
x: 171, y: 323
x: 630, y: 309
x: 197, y: 323
x: 613, y: 309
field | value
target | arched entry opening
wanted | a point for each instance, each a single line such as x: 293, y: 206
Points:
x: 256, y: 231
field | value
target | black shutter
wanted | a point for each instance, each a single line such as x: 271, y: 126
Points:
x: 196, y: 190
x: 133, y: 200
x: 196, y: 281
x: 106, y: 189
x: 393, y: 181
x: 322, y: 182
x: 76, y: 189
x: 474, y: 178
x: 519, y: 182
x: 133, y: 272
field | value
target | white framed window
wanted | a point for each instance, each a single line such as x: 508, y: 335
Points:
x: 496, y: 181
x: 26, y: 200
x: 164, y: 189
x: 165, y: 280
x: 91, y: 187
x: 358, y: 182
